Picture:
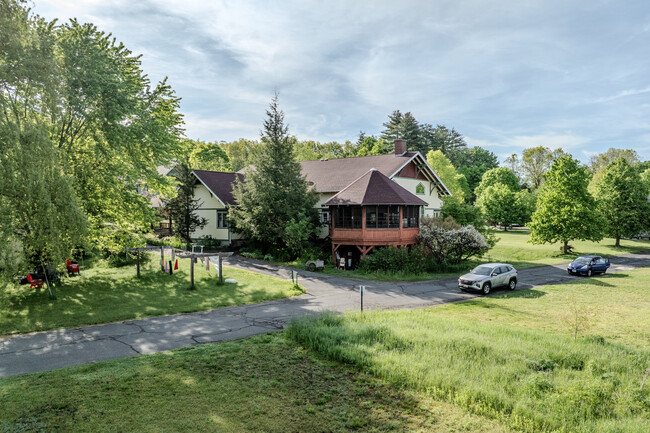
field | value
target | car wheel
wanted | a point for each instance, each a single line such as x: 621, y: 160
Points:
x: 512, y: 285
x: 589, y: 273
x: 486, y: 288
x: 311, y: 267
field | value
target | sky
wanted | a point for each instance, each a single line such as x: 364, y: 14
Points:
x: 508, y: 75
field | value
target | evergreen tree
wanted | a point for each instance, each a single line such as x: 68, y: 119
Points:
x: 274, y: 192
x: 403, y: 127
x: 183, y: 206
x: 448, y: 141
x: 565, y: 209
x: 623, y: 200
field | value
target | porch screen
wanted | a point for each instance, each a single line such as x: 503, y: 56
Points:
x: 348, y: 217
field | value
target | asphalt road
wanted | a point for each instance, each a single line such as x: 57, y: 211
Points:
x: 49, y: 350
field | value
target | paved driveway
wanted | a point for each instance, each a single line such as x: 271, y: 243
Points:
x: 55, y: 349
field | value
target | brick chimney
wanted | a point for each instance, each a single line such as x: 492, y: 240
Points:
x: 400, y: 147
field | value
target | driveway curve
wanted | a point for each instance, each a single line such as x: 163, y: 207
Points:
x: 48, y: 350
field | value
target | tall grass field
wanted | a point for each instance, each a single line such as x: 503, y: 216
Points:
x: 487, y: 358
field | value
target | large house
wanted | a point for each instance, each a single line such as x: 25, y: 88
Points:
x: 365, y: 202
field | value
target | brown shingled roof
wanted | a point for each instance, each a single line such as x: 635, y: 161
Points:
x: 374, y: 187
x: 219, y: 183
x: 332, y: 175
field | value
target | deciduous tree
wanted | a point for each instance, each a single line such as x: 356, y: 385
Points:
x: 623, y: 200
x: 501, y: 175
x: 454, y: 181
x: 565, y: 209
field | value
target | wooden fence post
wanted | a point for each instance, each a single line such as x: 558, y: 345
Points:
x: 137, y: 255
x: 192, y: 272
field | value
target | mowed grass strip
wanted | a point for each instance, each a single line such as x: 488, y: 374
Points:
x: 513, y: 247
x: 509, y: 357
x: 262, y: 384
x: 102, y: 294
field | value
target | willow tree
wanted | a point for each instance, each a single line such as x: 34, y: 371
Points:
x: 76, y: 102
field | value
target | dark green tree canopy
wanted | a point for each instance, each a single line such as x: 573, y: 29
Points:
x: 623, y: 200
x: 274, y: 190
x: 565, y: 209
x: 499, y: 175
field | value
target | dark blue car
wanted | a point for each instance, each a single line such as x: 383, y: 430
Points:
x: 588, y: 265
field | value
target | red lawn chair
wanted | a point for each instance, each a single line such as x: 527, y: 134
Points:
x: 73, y: 268
x: 34, y: 283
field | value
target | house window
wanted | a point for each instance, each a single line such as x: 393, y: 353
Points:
x: 411, y: 217
x: 382, y: 217
x: 324, y: 216
x: 348, y: 217
x: 419, y: 189
x: 222, y: 220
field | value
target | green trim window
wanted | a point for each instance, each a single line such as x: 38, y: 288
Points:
x: 419, y: 189
x: 222, y: 220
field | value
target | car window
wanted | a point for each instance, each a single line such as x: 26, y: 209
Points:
x: 482, y: 270
x: 582, y: 260
x: 600, y: 261
x: 497, y: 270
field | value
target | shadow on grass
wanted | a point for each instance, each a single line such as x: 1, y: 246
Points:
x: 102, y: 298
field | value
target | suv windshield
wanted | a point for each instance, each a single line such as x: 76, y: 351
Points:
x: 582, y: 260
x: 482, y: 270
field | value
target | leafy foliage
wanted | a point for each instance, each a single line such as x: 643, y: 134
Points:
x: 472, y: 163
x: 449, y: 242
x: 623, y: 200
x: 274, y: 191
x: 500, y: 175
x: 565, y: 209
x: 498, y: 204
x: 78, y: 107
x: 206, y: 156
x: 454, y: 181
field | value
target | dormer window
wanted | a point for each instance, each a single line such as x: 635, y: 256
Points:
x: 419, y: 189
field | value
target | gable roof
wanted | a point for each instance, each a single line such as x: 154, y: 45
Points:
x: 219, y: 183
x: 333, y: 175
x: 374, y: 187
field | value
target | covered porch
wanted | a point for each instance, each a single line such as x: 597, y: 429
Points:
x: 373, y: 211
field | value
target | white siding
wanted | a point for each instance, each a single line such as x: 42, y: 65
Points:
x: 431, y: 196
x: 210, y: 205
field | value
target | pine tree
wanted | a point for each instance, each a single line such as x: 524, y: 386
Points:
x: 393, y: 126
x: 183, y: 207
x: 274, y: 192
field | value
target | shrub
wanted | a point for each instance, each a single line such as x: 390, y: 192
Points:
x: 449, y: 243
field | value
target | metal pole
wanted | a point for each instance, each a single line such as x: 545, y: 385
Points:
x: 162, y: 258
x: 137, y: 255
x: 362, y: 289
x: 47, y: 281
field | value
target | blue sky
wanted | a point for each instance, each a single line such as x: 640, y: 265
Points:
x: 507, y: 75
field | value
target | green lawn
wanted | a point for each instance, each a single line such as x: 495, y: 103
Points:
x: 262, y: 384
x: 513, y: 247
x: 513, y: 357
x: 502, y: 363
x: 102, y: 294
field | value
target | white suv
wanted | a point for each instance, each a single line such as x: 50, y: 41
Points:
x: 487, y: 276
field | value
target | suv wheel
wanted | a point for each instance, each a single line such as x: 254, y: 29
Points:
x: 512, y: 285
x: 486, y: 288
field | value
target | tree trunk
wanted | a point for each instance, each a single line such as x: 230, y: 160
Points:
x: 566, y: 246
x: 618, y: 241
